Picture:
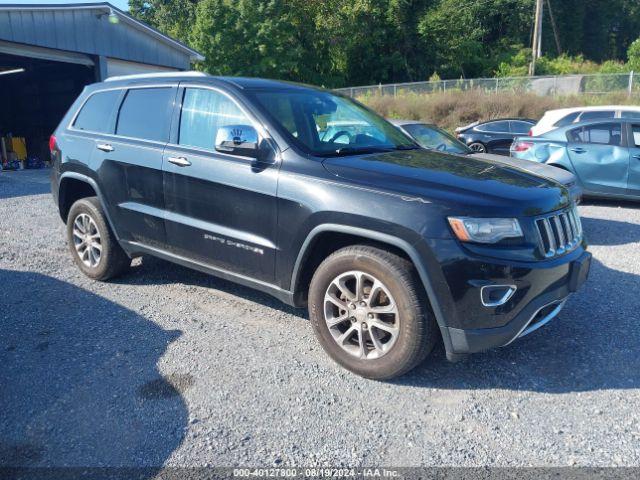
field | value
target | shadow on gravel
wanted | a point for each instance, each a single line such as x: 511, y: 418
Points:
x: 24, y: 183
x: 154, y: 271
x: 610, y: 232
x: 611, y: 203
x: 594, y: 344
x: 79, y: 380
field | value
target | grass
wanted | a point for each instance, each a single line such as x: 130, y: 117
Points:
x: 456, y: 108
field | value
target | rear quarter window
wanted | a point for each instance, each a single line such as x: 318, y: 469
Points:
x: 567, y: 119
x: 586, y: 116
x: 494, y: 127
x: 146, y: 113
x: 95, y: 114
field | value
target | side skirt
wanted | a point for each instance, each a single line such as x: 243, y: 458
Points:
x: 134, y: 249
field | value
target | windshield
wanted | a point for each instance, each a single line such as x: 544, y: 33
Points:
x: 323, y: 124
x: 433, y: 138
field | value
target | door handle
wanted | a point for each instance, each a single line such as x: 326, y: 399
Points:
x: 578, y: 150
x: 180, y: 161
x: 105, y: 147
x: 637, y: 156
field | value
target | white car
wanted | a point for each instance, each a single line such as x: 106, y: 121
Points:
x: 565, y: 116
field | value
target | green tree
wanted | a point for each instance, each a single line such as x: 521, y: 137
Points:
x: 250, y: 37
x: 633, y: 55
x: 173, y: 17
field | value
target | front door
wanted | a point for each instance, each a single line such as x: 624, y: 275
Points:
x: 220, y: 208
x: 129, y: 163
x: 633, y: 184
x: 600, y: 158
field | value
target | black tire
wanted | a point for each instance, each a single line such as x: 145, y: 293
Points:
x: 478, y: 147
x: 113, y: 261
x: 417, y: 331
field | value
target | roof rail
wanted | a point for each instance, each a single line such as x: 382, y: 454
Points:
x: 156, y: 75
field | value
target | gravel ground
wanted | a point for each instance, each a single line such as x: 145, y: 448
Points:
x: 168, y: 366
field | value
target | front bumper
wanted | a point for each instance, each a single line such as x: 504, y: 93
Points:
x: 526, y: 318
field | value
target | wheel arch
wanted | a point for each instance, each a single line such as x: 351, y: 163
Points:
x: 309, y: 257
x: 72, y: 187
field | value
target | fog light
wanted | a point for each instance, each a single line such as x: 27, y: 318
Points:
x: 496, y: 295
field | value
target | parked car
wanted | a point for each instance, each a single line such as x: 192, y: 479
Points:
x: 494, y: 136
x: 431, y: 137
x: 566, y: 116
x: 391, y: 247
x: 604, y: 155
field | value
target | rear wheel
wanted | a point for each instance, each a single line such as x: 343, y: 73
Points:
x: 369, y: 313
x: 93, y: 246
x: 478, y: 147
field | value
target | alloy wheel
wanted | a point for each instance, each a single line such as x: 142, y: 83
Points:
x: 86, y: 239
x: 361, y: 314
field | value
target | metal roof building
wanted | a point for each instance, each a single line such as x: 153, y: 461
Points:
x: 48, y: 53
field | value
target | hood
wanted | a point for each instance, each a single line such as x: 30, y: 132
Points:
x: 559, y: 175
x: 475, y: 184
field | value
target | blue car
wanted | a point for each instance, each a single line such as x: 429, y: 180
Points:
x: 604, y: 155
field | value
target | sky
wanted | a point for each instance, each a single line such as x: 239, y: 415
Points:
x: 121, y: 4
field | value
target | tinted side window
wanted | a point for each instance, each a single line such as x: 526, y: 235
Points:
x: 145, y: 113
x: 629, y: 114
x: 567, y: 119
x: 604, y: 133
x: 520, y: 127
x: 597, y: 115
x: 96, y: 112
x: 203, y: 113
x: 495, y: 127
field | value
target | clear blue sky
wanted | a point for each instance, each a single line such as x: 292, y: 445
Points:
x: 121, y: 4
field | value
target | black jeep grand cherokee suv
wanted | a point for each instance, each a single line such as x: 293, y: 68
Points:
x: 391, y: 247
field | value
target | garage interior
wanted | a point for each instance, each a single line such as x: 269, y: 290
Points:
x: 49, y: 52
x: 34, y: 95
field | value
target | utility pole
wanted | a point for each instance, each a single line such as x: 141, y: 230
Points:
x: 536, y: 48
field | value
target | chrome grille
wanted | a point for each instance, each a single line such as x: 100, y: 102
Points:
x: 559, y: 232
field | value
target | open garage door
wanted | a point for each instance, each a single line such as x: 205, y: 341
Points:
x: 35, y: 93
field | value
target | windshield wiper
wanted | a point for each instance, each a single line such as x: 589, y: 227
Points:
x: 371, y: 149
x: 356, y: 150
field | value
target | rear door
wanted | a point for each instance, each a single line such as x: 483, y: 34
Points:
x: 498, y: 136
x: 633, y: 183
x: 129, y: 163
x: 221, y: 208
x: 600, y: 157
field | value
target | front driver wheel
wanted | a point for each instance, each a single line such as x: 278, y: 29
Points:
x: 369, y: 312
x: 93, y: 246
x: 478, y: 147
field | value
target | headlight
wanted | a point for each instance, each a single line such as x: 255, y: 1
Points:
x: 485, y: 230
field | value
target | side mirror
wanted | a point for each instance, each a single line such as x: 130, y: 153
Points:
x: 238, y: 140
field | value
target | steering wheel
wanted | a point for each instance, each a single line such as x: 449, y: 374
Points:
x: 442, y: 147
x: 338, y: 135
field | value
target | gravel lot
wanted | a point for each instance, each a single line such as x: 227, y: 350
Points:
x: 168, y: 366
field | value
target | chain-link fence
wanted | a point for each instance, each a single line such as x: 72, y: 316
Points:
x: 544, y: 85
